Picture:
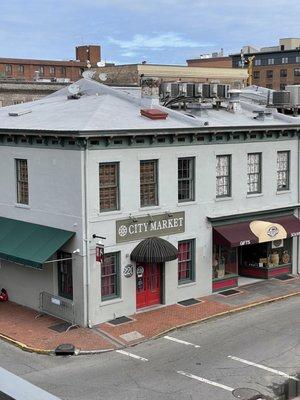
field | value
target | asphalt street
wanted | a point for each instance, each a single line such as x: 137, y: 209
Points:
x: 256, y: 349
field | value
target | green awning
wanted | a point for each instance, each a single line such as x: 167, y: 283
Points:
x: 30, y: 244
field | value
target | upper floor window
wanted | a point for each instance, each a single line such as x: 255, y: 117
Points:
x: 109, y: 186
x: 8, y: 70
x: 148, y: 183
x: 285, y: 60
x: 110, y: 276
x: 186, y: 264
x: 21, y: 69
x: 282, y: 86
x: 22, y: 181
x: 63, y: 71
x: 52, y: 70
x: 297, y: 59
x: 254, y: 173
x: 186, y: 179
x: 269, y: 86
x: 223, y: 176
x: 257, y: 62
x: 269, y: 73
x: 256, y: 74
x: 283, y: 73
x: 297, y: 72
x: 283, y: 170
x: 270, y: 61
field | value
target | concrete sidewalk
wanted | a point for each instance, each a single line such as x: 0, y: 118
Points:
x: 22, y: 326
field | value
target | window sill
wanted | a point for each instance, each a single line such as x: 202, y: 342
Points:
x: 109, y: 213
x: 283, y: 191
x: 26, y: 206
x: 223, y: 198
x: 111, y: 301
x: 148, y: 208
x: 250, y: 195
x: 186, y: 203
x: 186, y: 284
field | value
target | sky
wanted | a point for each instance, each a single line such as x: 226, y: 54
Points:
x: 130, y: 31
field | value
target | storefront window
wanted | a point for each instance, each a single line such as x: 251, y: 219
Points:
x: 266, y: 255
x: 65, y: 276
x: 224, y: 261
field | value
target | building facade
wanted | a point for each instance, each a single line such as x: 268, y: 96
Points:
x: 273, y: 67
x: 214, y: 62
x: 60, y: 71
x: 121, y: 211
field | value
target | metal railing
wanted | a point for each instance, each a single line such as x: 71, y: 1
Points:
x: 57, y: 307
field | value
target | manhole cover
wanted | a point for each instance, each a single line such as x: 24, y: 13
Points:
x: 247, y: 394
x: 229, y: 292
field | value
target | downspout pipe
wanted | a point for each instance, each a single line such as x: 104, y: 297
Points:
x: 298, y: 211
x: 86, y: 237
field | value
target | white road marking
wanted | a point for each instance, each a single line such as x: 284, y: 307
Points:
x: 131, y: 355
x: 274, y: 371
x: 181, y: 341
x: 204, y: 380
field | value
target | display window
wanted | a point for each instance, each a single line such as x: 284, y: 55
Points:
x: 224, y: 261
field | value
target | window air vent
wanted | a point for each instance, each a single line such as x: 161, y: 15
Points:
x: 153, y: 113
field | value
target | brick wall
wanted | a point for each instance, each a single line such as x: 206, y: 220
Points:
x: 217, y: 62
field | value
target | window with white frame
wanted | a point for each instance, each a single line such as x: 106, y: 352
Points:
x: 110, y: 276
x: 149, y: 183
x: 186, y: 264
x: 285, y: 60
x: 223, y: 176
x: 254, y: 173
x: 257, y: 62
x: 298, y: 59
x: 109, y: 186
x: 283, y: 170
x: 186, y: 179
x: 270, y: 61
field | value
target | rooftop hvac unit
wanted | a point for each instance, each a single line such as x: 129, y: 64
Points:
x: 198, y: 89
x: 213, y: 90
x: 206, y: 91
x: 174, y: 89
x: 222, y: 91
x: 165, y: 89
x: 190, y: 90
x: 295, y: 94
x: 281, y: 98
x: 183, y: 89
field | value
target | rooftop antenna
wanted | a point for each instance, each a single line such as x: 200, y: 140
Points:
x: 88, y: 74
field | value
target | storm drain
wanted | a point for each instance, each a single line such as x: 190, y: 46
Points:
x: 229, y: 292
x: 65, y: 349
x: 284, y: 277
x: 120, y: 320
x: 248, y: 394
x: 189, y: 302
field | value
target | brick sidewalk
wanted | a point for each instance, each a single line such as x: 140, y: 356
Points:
x: 20, y: 323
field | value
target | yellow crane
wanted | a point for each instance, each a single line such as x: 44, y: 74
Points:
x: 250, y: 61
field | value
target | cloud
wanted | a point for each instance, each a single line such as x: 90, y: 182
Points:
x: 129, y: 54
x: 160, y: 41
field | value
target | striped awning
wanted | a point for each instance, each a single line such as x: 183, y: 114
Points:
x: 154, y: 250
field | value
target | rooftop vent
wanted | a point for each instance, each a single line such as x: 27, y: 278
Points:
x: 262, y: 114
x: 18, y: 113
x: 153, y: 113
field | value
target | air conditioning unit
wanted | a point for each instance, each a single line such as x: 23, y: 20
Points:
x: 295, y: 94
x: 281, y: 98
x: 277, y: 243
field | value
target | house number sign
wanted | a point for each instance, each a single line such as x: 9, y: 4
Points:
x: 128, y: 271
x: 150, y: 225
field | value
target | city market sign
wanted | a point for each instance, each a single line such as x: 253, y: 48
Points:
x: 151, y: 225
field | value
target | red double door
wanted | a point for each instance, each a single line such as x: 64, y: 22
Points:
x: 148, y: 284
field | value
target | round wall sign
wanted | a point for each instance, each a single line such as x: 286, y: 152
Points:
x: 128, y: 271
x: 139, y: 271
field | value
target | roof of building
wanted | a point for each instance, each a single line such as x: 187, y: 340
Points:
x: 67, y: 63
x: 104, y: 109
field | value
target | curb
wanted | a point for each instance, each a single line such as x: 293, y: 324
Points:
x: 24, y: 346
x: 29, y: 349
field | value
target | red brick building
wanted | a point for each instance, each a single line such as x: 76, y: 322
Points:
x: 214, y: 62
x: 29, y: 70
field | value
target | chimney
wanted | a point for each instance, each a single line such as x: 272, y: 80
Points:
x: 150, y: 91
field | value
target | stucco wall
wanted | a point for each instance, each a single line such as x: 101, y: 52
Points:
x: 197, y: 226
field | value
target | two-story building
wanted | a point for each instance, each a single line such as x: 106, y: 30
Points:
x: 185, y: 203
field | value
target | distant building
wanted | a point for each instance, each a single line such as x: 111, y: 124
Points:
x: 30, y: 69
x: 23, y: 80
x: 215, y: 60
x: 131, y: 74
x: 273, y: 67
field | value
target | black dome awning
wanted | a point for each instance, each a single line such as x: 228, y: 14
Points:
x: 154, y: 250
